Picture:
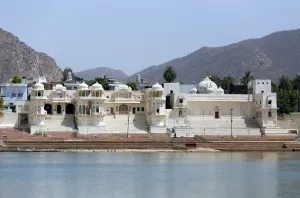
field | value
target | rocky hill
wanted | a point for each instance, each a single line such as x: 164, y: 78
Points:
x: 101, y: 72
x: 267, y: 57
x: 17, y: 57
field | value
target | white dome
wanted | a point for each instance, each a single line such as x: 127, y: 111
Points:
x: 210, y: 90
x: 83, y: 86
x: 206, y: 84
x: 59, y: 86
x: 122, y: 86
x: 38, y: 86
x: 156, y: 87
x: 97, y: 86
x: 193, y: 90
x: 220, y: 90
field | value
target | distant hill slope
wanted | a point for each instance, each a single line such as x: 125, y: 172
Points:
x: 101, y: 72
x: 17, y: 57
x: 268, y: 57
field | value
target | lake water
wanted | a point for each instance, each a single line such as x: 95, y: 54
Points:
x: 142, y: 175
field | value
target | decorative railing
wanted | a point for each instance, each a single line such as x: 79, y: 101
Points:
x: 156, y: 98
x: 38, y: 97
x: 219, y: 97
x: 91, y: 97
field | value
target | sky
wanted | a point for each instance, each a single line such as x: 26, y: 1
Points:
x: 134, y: 34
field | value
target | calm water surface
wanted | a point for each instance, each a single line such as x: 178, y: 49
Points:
x: 234, y: 175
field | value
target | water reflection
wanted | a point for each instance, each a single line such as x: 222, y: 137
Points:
x: 91, y: 175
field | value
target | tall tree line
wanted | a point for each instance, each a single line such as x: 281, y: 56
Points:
x: 287, y: 94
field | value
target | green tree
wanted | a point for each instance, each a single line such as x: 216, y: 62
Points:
x: 16, y: 79
x: 283, y: 102
x: 103, y: 82
x: 296, y: 87
x: 66, y: 72
x: 170, y: 74
x: 246, y: 78
x: 1, y: 106
x: 132, y: 85
x: 274, y: 87
x: 293, y: 100
x: 216, y: 79
x: 90, y: 82
x: 226, y: 81
x: 284, y: 83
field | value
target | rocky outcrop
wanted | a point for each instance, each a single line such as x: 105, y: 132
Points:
x: 17, y: 57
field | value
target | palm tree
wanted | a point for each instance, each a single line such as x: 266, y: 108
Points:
x: 246, y: 78
x: 170, y: 74
x: 284, y: 83
x: 296, y: 87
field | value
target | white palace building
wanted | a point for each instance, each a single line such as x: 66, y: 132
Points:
x: 203, y: 110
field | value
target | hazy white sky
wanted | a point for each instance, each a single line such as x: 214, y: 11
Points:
x: 134, y: 34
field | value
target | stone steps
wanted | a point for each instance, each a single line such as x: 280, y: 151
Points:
x: 60, y: 123
x: 119, y: 124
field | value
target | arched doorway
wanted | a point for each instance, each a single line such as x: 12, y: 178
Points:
x: 70, y: 109
x: 123, y: 109
x: 111, y: 110
x: 180, y: 113
x: 48, y: 108
x: 23, y: 118
x: 217, y: 114
x: 168, y: 102
x: 58, y: 109
x: 270, y: 114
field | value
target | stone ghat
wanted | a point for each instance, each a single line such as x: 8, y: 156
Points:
x: 184, y: 145
x: 91, y: 145
x: 249, y: 138
x: 14, y: 134
x: 14, y: 140
x: 252, y: 146
x: 17, y: 135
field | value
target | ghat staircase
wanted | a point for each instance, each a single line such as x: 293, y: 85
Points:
x: 59, y: 123
x: 119, y: 123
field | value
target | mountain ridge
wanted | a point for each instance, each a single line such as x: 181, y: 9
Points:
x: 17, y: 57
x: 91, y: 74
x: 267, y: 57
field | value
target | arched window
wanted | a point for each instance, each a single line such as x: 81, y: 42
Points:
x: 180, y: 113
x: 270, y: 114
x: 83, y: 109
x: 80, y: 110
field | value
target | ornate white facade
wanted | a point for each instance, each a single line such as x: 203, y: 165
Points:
x: 205, y: 110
